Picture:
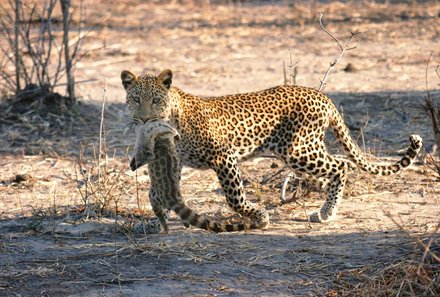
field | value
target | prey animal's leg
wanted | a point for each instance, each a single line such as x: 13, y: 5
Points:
x: 154, y: 225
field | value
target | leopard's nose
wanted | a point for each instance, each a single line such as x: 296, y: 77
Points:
x: 144, y: 119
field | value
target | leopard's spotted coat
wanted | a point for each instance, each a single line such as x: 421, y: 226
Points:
x: 287, y: 121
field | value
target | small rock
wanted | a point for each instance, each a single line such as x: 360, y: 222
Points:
x: 350, y: 68
x: 274, y: 165
x: 22, y: 178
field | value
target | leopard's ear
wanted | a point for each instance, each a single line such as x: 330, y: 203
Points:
x: 128, y: 79
x: 166, y: 78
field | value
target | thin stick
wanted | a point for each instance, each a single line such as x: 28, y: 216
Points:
x: 426, y: 249
x: 141, y: 211
x: 65, y: 5
x: 303, y: 204
x: 437, y: 71
x: 16, y: 45
x: 48, y: 29
x: 284, y: 74
x: 292, y: 67
x: 101, y: 127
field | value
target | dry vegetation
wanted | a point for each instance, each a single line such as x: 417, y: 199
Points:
x: 67, y: 195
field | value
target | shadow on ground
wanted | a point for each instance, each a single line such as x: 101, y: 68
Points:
x: 192, y: 263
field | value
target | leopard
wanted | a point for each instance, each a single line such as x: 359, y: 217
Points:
x: 155, y: 146
x: 288, y: 122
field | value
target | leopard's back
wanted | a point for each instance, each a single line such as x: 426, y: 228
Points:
x: 254, y: 122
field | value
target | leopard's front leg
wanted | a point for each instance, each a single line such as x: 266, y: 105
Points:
x: 231, y: 181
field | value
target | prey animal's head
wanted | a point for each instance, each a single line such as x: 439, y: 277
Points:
x: 147, y: 135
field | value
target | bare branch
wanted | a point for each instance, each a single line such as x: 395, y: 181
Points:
x: 437, y: 71
x: 75, y: 56
x: 80, y: 35
x: 343, y: 48
x: 7, y: 79
x: 65, y: 5
x: 17, y: 45
x: 58, y: 72
x: 292, y: 68
x: 426, y: 74
x: 330, y: 34
x: 47, y: 32
x: 353, y: 34
x: 33, y: 53
x: 31, y: 50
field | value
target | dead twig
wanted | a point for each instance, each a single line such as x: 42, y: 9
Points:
x: 293, y: 71
x: 426, y: 250
x: 437, y: 71
x: 343, y: 48
x: 101, y: 128
x: 16, y: 45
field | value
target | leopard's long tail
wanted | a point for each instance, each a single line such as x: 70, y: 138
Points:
x: 192, y: 218
x: 342, y: 133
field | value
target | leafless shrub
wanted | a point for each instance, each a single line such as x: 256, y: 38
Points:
x: 96, y: 180
x: 96, y: 183
x: 32, y: 53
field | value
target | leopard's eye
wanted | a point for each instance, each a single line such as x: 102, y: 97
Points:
x: 156, y: 99
x: 136, y: 99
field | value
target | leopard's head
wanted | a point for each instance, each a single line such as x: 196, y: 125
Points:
x: 147, y: 95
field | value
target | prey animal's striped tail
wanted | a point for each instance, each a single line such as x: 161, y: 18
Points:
x: 192, y: 218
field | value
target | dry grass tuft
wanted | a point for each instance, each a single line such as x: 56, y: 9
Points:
x: 416, y: 275
x: 98, y: 184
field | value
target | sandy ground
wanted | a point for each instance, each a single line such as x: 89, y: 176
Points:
x: 218, y: 49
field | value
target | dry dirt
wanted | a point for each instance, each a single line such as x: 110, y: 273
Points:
x: 374, y: 246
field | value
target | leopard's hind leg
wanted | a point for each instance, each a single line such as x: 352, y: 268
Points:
x: 337, y: 177
x: 329, y: 172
